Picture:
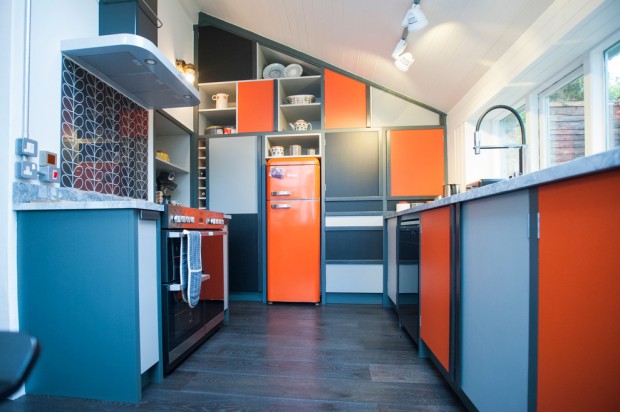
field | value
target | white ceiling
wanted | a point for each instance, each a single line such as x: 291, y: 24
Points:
x: 461, y: 42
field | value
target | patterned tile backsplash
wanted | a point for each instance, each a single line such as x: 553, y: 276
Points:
x: 104, y: 145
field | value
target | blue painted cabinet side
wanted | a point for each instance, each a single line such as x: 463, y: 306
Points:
x: 78, y: 294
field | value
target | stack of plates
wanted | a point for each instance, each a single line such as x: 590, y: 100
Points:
x: 277, y: 71
x: 273, y: 71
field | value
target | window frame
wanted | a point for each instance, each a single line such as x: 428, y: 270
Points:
x: 543, y: 113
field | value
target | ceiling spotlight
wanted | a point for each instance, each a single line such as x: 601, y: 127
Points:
x: 399, y: 49
x: 415, y: 19
x: 404, y: 61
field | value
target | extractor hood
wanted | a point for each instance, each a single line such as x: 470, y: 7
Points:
x: 135, y: 67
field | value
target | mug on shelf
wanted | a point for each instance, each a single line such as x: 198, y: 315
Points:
x: 221, y: 100
x: 294, y: 150
x: 277, y: 151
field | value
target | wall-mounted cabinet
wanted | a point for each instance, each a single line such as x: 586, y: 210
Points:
x: 353, y: 164
x: 172, y: 155
x: 211, y: 117
x: 310, y: 141
x: 224, y: 56
x: 345, y: 102
x: 416, y: 162
x: 299, y: 99
x: 255, y: 112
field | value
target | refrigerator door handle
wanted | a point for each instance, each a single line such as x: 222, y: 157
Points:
x: 282, y: 193
x: 281, y: 206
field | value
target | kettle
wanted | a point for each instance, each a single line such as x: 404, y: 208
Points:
x: 300, y: 125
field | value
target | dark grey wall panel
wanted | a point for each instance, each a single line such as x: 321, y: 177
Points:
x: 354, y: 244
x: 243, y: 254
x: 224, y: 56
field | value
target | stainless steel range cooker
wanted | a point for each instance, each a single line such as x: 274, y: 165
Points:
x: 184, y: 328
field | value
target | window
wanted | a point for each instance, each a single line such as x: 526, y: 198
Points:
x: 562, y: 121
x: 612, y: 75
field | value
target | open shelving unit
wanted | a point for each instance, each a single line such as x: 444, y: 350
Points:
x: 305, y: 140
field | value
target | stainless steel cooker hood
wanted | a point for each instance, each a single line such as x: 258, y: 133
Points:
x: 135, y: 67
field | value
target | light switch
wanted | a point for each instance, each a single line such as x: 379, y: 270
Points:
x: 26, y: 147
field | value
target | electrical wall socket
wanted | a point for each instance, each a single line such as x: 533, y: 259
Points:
x: 49, y: 174
x: 25, y: 169
x: 26, y: 147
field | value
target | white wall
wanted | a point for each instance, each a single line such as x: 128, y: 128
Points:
x: 8, y: 87
x: 51, y: 22
x: 176, y: 41
x: 553, y: 44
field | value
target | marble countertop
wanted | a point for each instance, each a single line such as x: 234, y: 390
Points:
x: 579, y: 167
x: 40, y: 197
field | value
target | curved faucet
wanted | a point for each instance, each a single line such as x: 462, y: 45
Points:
x: 521, y: 146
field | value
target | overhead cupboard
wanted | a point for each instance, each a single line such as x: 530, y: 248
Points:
x: 291, y: 104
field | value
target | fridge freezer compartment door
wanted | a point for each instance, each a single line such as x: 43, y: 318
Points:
x: 295, y: 181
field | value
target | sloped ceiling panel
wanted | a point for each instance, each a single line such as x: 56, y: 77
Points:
x: 463, y: 38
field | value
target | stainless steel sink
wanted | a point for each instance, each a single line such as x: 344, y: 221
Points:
x: 482, y: 182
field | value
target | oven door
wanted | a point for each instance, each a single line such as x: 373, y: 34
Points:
x: 185, y: 328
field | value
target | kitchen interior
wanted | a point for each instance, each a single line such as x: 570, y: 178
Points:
x: 451, y: 165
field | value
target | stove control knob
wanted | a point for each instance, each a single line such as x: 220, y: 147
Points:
x: 176, y: 219
x: 191, y: 219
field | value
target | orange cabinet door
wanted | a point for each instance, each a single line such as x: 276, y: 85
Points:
x: 579, y: 288
x: 345, y: 102
x: 435, y: 283
x: 255, y: 106
x: 416, y: 162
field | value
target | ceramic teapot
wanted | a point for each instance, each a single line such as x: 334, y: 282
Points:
x: 301, y: 125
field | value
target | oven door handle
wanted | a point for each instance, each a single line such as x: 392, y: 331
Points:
x: 176, y: 287
x: 203, y: 233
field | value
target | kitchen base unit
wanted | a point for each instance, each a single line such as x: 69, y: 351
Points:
x: 88, y: 291
x: 293, y: 230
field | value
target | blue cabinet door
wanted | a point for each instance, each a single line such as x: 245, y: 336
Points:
x: 495, y: 302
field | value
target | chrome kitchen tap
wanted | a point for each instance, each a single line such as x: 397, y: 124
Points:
x: 478, y: 147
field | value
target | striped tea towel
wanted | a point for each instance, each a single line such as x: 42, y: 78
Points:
x: 191, y: 267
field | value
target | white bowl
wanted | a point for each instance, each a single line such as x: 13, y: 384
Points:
x: 300, y: 99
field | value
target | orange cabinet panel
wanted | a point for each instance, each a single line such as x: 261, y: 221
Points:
x: 435, y: 282
x: 255, y: 106
x: 345, y: 102
x: 579, y: 288
x: 416, y: 162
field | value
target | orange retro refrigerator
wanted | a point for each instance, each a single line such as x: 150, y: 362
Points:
x: 293, y: 229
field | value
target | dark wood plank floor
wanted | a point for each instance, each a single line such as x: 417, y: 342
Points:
x: 290, y: 357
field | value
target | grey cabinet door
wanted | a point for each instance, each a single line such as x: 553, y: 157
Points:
x: 233, y: 174
x: 352, y: 164
x: 495, y: 302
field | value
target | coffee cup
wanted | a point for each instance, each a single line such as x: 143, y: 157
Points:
x: 221, y: 100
